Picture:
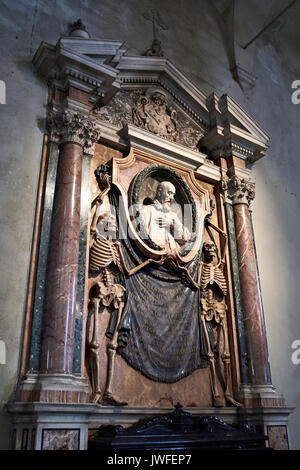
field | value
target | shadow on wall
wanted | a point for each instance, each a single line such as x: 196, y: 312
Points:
x: 4, y: 436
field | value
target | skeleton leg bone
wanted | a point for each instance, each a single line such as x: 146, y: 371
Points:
x: 217, y: 401
x: 108, y: 397
x: 226, y: 361
x: 94, y: 356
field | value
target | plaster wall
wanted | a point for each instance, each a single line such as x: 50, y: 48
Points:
x: 199, y: 44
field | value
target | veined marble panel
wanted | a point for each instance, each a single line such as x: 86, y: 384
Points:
x: 236, y: 292
x: 60, y: 439
x: 84, y: 210
x: 36, y: 331
x: 278, y: 437
x: 255, y: 253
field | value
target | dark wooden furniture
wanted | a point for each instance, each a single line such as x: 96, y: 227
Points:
x: 177, y: 431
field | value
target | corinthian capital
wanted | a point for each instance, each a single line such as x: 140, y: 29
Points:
x: 240, y: 190
x: 67, y: 126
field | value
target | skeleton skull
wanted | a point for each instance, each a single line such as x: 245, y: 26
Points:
x: 209, y: 249
x: 106, y: 225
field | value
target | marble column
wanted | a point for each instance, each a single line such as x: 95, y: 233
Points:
x: 60, y: 302
x: 241, y: 191
x: 75, y: 133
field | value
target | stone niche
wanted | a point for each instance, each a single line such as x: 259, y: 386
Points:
x: 128, y: 130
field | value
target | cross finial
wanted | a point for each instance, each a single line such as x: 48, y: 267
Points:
x: 157, y: 23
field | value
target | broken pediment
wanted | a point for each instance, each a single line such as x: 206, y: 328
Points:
x: 152, y: 94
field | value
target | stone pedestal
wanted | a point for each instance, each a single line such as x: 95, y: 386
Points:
x: 58, y: 426
x: 53, y: 388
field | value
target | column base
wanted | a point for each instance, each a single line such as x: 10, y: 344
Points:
x: 53, y: 388
x: 260, y: 396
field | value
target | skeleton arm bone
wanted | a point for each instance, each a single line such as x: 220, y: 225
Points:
x: 189, y: 277
x: 223, y: 239
x: 134, y: 270
x: 99, y: 201
x: 95, y: 217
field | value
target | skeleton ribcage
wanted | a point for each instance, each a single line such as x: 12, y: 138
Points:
x: 102, y: 254
x: 211, y: 274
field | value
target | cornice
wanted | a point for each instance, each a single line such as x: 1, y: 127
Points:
x: 101, y: 68
x: 227, y: 104
x: 144, y: 140
x: 111, y: 50
x: 157, y: 65
x: 135, y: 137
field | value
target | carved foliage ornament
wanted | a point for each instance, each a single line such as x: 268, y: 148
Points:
x: 240, y: 190
x: 67, y: 126
x: 153, y: 111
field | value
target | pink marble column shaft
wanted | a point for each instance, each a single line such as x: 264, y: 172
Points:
x: 61, y: 289
x: 254, y: 326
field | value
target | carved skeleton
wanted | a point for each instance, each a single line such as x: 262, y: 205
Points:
x: 105, y: 292
x: 106, y: 254
x: 213, y: 289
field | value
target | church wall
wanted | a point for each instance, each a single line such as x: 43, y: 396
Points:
x: 195, y: 44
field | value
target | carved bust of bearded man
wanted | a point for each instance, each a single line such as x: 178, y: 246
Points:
x: 162, y: 224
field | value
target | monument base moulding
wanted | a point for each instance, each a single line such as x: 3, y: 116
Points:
x: 59, y: 426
